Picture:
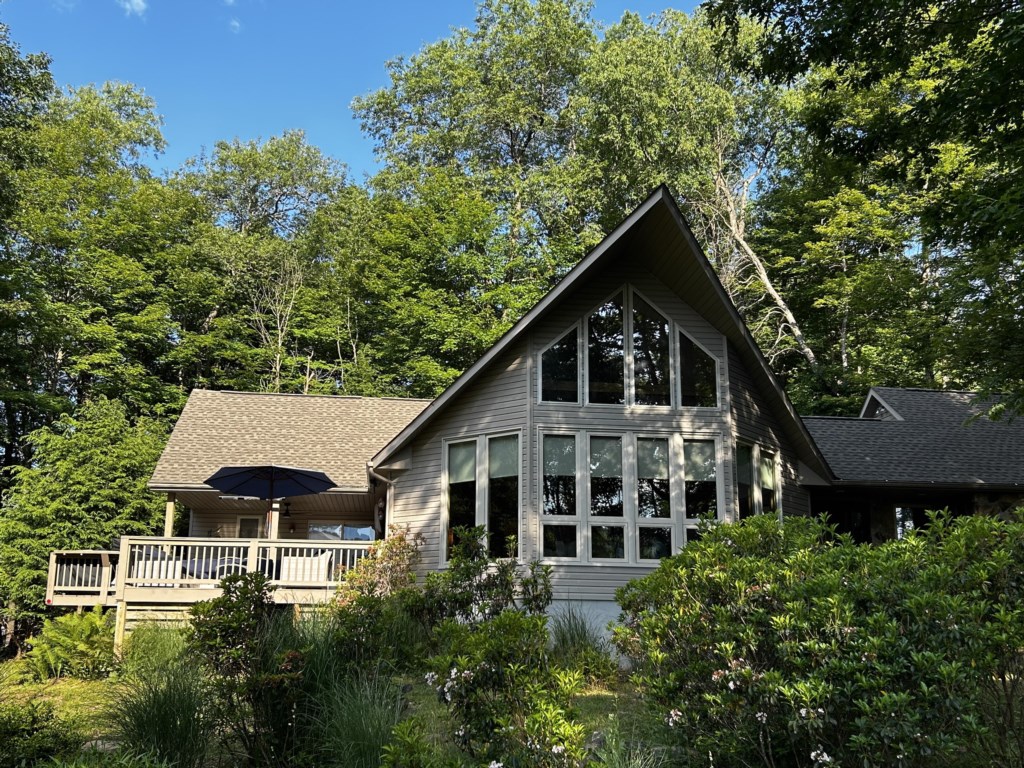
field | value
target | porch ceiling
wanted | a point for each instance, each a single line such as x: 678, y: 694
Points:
x: 324, y: 503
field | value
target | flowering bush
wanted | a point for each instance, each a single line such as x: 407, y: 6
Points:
x: 508, y: 703
x: 787, y: 645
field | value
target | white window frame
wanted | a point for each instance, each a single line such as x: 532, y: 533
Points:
x: 482, y: 484
x: 575, y: 519
x: 630, y: 520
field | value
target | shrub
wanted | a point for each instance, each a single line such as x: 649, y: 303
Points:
x: 388, y: 567
x: 476, y: 587
x: 782, y: 644
x: 75, y: 645
x: 32, y: 732
x: 508, y: 702
x: 256, y: 670
x: 410, y: 748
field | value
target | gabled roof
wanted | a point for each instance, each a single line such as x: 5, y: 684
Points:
x: 940, y: 439
x: 656, y: 224
x: 336, y: 435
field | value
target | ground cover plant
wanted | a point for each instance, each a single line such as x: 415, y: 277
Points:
x: 782, y: 644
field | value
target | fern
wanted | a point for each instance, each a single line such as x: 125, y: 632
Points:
x: 74, y: 645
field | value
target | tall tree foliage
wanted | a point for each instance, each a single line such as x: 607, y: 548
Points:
x: 931, y: 94
x: 85, y: 488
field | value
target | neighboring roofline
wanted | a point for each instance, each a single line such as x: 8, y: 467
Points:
x: 661, y: 195
x: 202, y: 487
x: 310, y: 396
x: 873, y: 395
x: 925, y: 484
x: 513, y: 333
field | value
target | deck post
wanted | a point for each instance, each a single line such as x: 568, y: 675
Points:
x: 169, y: 516
x: 274, y: 520
x: 119, y: 624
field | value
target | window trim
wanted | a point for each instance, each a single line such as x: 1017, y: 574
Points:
x: 482, y: 486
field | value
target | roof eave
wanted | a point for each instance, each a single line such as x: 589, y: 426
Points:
x: 169, y: 487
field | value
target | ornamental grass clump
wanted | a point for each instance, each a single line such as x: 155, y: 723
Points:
x: 784, y: 644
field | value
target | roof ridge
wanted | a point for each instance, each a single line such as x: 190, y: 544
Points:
x: 330, y: 397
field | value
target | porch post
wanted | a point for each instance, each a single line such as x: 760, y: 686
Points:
x: 274, y: 521
x: 169, y: 516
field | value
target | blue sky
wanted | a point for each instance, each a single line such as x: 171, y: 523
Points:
x: 247, y: 68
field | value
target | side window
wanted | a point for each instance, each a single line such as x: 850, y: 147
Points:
x: 502, y: 494
x: 745, y: 480
x: 461, y: 490
x: 769, y: 496
x: 560, y: 527
x: 559, y: 370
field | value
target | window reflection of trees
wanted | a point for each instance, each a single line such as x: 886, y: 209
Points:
x: 605, y: 356
x: 650, y: 355
x: 559, y: 475
x: 698, y: 382
x: 559, y: 370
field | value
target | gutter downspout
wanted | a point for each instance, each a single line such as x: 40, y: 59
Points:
x: 389, y: 489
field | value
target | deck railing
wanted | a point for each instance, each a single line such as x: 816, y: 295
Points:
x: 170, y: 569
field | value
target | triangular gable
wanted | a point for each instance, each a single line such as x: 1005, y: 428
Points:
x: 658, y: 210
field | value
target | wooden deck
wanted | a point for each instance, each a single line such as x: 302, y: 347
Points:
x: 154, y: 570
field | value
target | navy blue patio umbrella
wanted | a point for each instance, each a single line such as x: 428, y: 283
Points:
x: 269, y: 481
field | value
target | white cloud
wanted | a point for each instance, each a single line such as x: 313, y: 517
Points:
x: 229, y: 2
x: 137, y: 7
x: 235, y: 26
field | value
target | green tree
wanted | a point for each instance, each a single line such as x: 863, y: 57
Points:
x: 25, y: 87
x: 932, y: 93
x: 85, y: 488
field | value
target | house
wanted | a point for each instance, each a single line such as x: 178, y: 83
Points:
x: 629, y: 404
x: 913, y: 450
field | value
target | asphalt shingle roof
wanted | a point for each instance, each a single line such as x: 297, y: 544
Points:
x: 939, y: 441
x: 336, y: 435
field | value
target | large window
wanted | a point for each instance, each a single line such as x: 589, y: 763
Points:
x: 491, y: 501
x: 651, y: 359
x: 634, y: 355
x: 640, y: 494
x: 605, y: 355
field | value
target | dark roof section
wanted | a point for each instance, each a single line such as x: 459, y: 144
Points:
x: 656, y: 223
x: 943, y: 440
x: 336, y: 435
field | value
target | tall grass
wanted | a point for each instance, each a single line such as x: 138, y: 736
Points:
x: 152, y: 648
x: 620, y: 752
x: 577, y: 644
x: 165, y: 715
x: 356, y: 719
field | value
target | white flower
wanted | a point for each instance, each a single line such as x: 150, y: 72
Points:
x: 430, y: 678
x: 496, y: 764
x: 557, y: 749
x: 673, y: 717
x: 820, y: 757
x: 762, y: 717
